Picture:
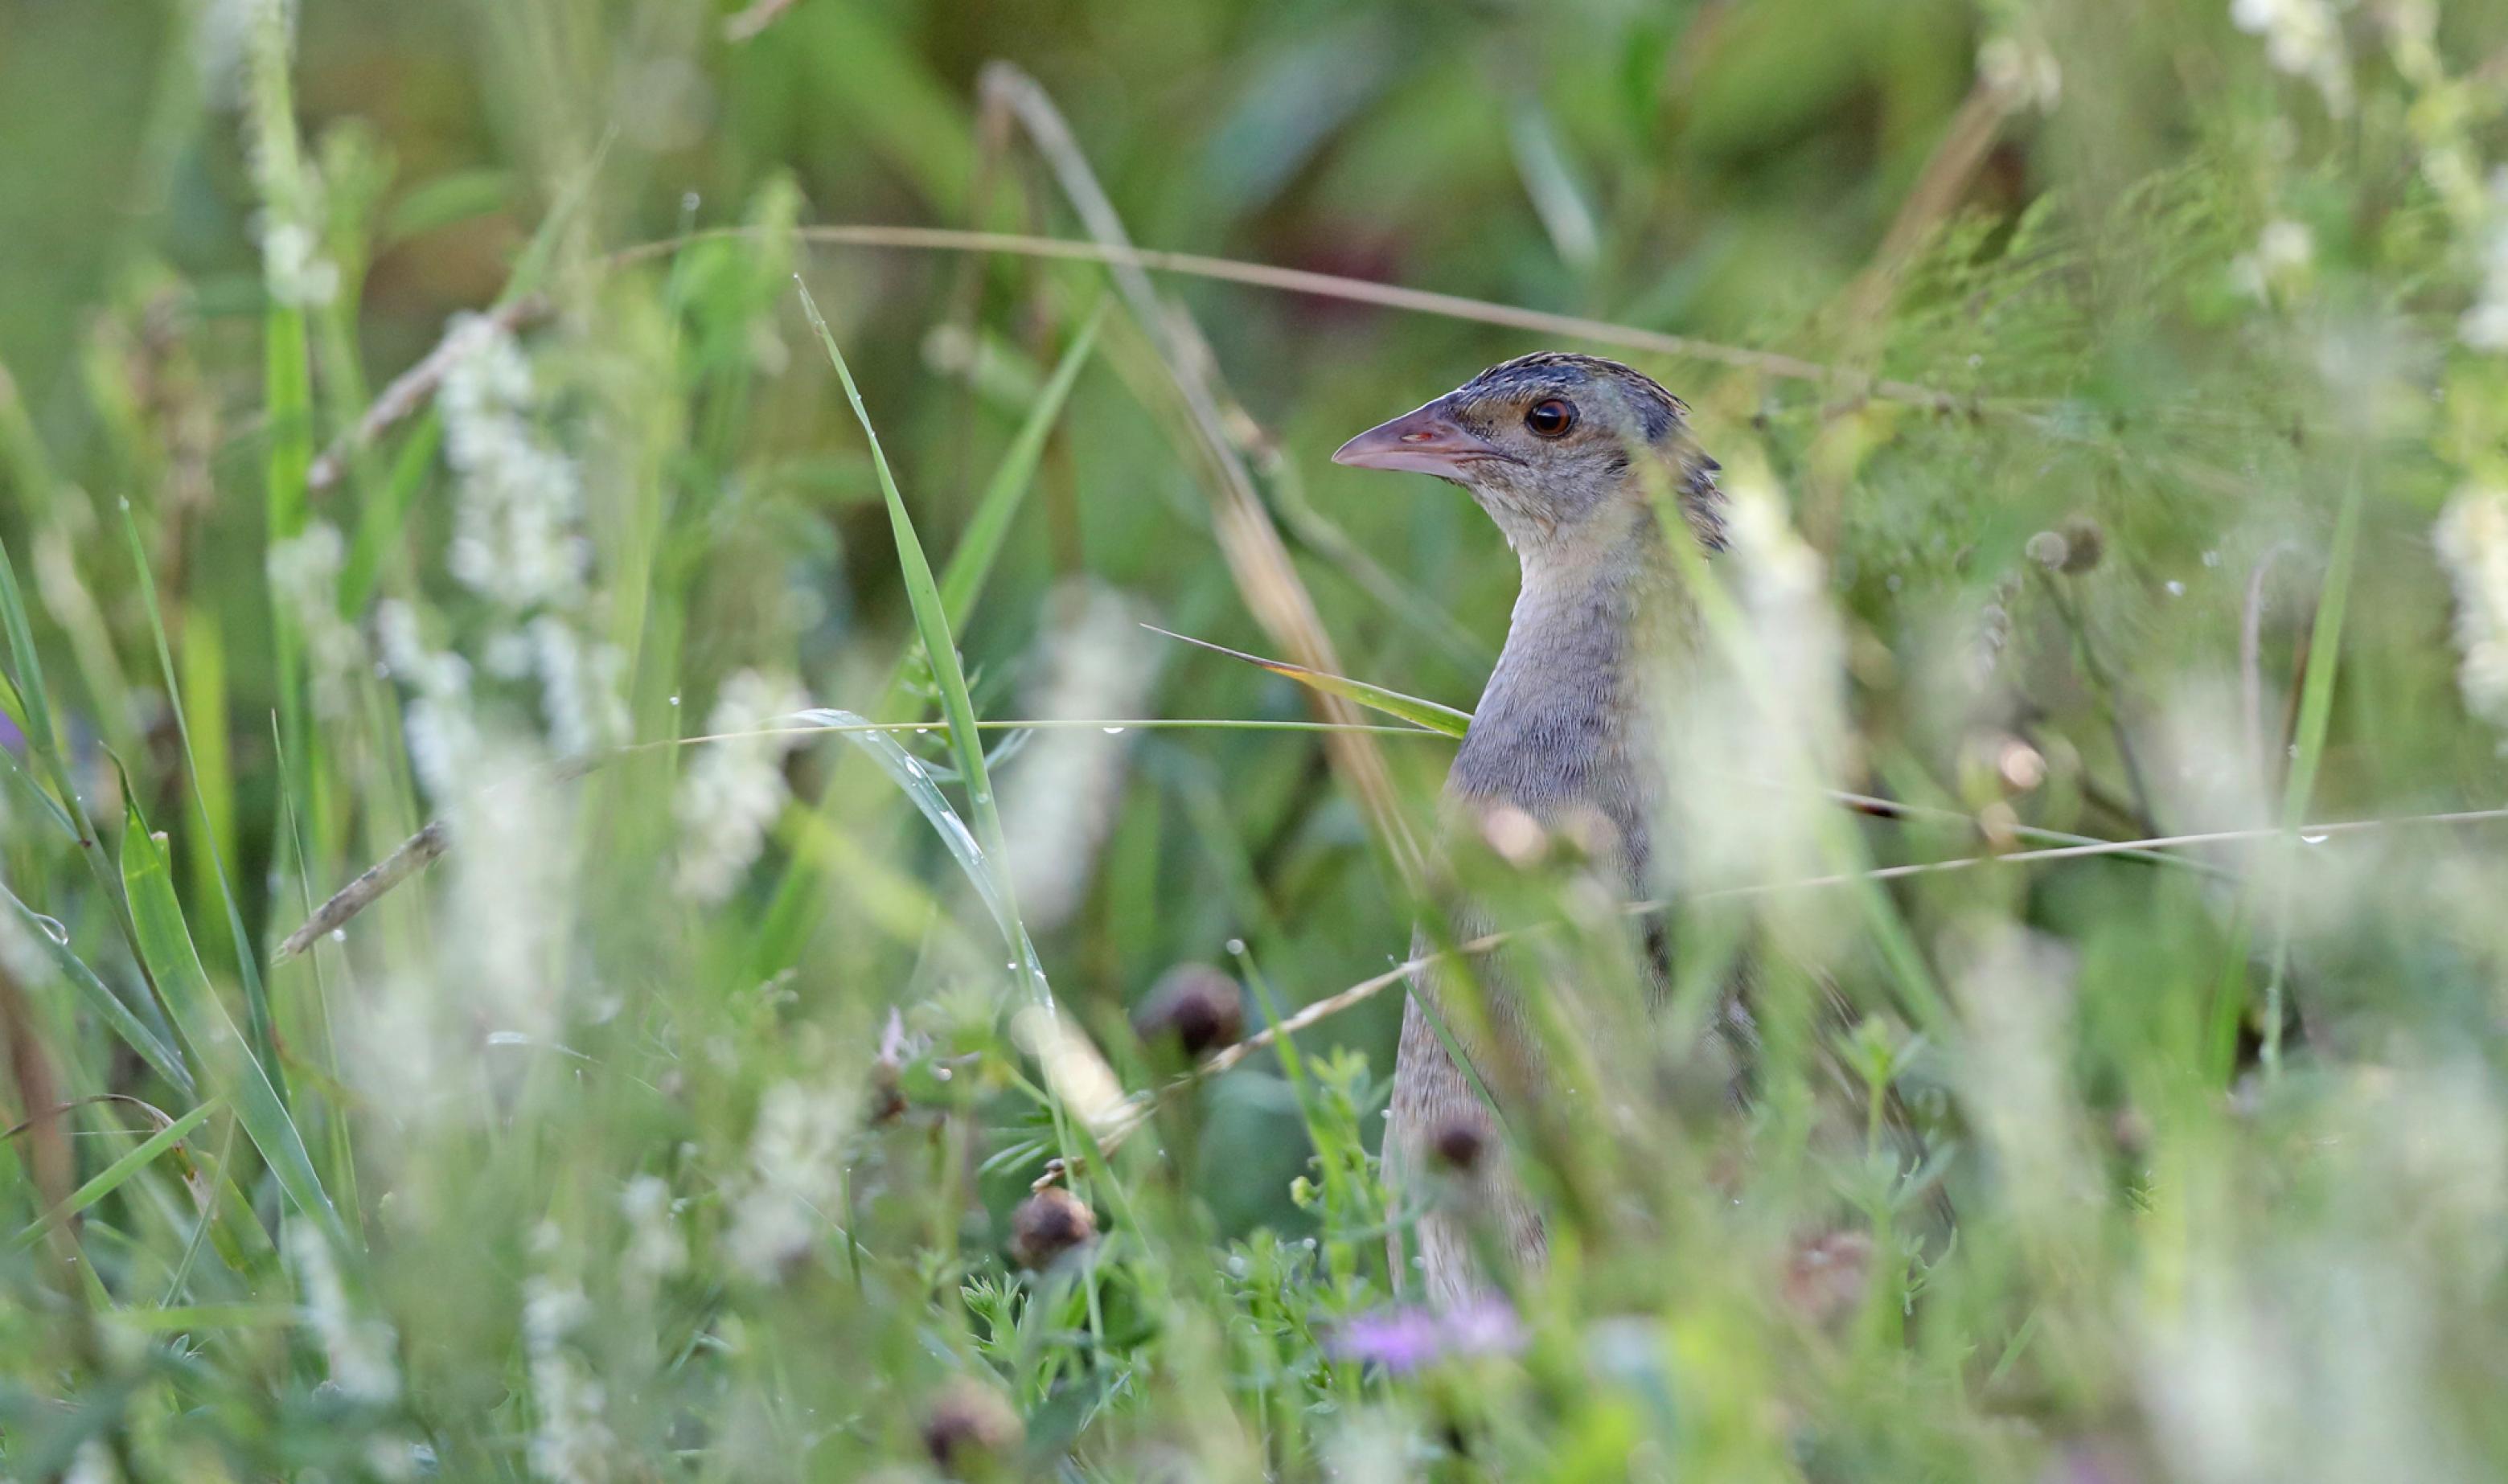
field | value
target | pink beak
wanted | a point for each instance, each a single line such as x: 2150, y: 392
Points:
x: 1427, y: 440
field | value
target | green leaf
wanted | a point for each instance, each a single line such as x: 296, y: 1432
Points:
x: 1441, y: 719
x: 206, y: 1027
x: 111, y: 1177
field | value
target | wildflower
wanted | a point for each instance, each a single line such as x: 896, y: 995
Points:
x: 359, y: 1351
x: 735, y: 788
x: 1408, y: 1339
x: 294, y: 269
x: 654, y: 1247
x: 2304, y: 39
x: 1058, y: 803
x: 2280, y: 261
x: 92, y: 1463
x: 796, y: 1172
x: 579, y: 692
x: 1773, y: 710
x: 572, y: 1445
x: 1193, y: 1005
x: 1047, y: 1224
x: 304, y: 573
x: 2485, y: 326
x: 512, y: 882
x: 2472, y: 540
x: 443, y: 739
x: 514, y: 537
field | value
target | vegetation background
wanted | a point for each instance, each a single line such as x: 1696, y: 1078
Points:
x: 2115, y: 394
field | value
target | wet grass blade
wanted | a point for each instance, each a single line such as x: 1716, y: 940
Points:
x: 206, y: 1027
x: 44, y: 743
x: 163, y: 1059
x: 916, y: 781
x: 1441, y: 719
x: 932, y: 624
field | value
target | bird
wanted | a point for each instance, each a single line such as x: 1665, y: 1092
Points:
x: 1571, y: 456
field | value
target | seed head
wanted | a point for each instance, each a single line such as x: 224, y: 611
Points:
x: 969, y: 1426
x: 1193, y: 1006
x: 1047, y: 1224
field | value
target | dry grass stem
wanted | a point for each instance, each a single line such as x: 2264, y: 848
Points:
x: 410, y: 390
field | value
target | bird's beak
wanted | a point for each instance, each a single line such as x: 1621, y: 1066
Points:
x: 1429, y: 441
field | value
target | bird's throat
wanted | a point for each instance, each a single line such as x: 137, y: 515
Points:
x: 1571, y: 720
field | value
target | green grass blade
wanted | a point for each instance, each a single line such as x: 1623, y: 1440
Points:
x: 962, y: 577
x: 111, y: 1177
x: 1441, y: 719
x: 385, y: 517
x: 164, y: 1060
x: 44, y: 743
x: 919, y: 786
x: 932, y: 624
x: 206, y: 1027
x: 2308, y: 753
x: 265, y: 1036
x: 31, y: 791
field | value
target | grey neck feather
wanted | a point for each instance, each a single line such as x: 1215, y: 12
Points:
x: 1572, y: 713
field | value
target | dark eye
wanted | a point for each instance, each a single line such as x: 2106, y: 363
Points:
x: 1550, y: 417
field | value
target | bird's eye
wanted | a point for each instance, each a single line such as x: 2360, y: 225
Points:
x: 1550, y: 417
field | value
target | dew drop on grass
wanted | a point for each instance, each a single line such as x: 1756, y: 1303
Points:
x: 338, y: 935
x: 1114, y: 731
x: 2176, y: 589
x: 1235, y: 946
x: 52, y: 928
x: 2314, y: 839
x: 675, y: 701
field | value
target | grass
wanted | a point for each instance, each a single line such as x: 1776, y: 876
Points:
x: 686, y: 1097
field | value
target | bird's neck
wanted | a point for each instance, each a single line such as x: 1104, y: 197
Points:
x: 1573, y: 712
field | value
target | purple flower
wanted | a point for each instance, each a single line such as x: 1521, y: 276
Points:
x: 1404, y: 1340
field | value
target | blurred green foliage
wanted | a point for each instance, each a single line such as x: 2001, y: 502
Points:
x: 2135, y: 373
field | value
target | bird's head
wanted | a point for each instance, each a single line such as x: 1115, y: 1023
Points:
x: 1562, y: 450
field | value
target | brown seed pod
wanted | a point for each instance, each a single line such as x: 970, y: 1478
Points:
x: 1047, y: 1224
x: 1194, y: 1007
x: 970, y: 1426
